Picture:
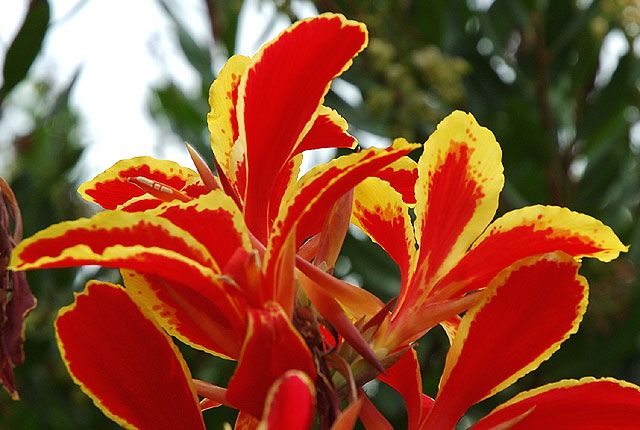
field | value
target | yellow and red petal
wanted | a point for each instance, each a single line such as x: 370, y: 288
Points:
x: 212, y: 218
x: 143, y: 382
x: 290, y: 403
x: 525, y: 232
x: 329, y: 130
x: 460, y: 179
x: 307, y: 205
x: 111, y: 189
x: 379, y: 211
x: 596, y: 404
x: 402, y: 175
x: 405, y: 377
x: 137, y: 241
x: 222, y: 120
x: 280, y: 96
x: 286, y: 179
x: 272, y: 347
x: 522, y: 318
x: 207, y: 316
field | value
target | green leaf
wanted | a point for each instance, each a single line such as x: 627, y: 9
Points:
x: 25, y: 46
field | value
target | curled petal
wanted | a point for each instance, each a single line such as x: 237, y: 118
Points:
x: 143, y: 383
x: 596, y: 404
x: 329, y: 130
x: 499, y: 333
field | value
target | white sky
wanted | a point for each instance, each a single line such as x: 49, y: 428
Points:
x: 123, y: 47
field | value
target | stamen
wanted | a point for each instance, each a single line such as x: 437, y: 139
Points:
x: 158, y: 189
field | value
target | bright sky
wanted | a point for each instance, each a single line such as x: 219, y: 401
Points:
x: 126, y: 46
x: 123, y: 47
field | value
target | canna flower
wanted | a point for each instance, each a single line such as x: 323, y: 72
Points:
x: 453, y: 249
x: 238, y: 263
x: 211, y: 260
x: 520, y: 320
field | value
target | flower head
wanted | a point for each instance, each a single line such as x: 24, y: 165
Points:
x: 239, y: 263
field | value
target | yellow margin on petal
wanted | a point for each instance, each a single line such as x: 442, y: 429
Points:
x: 486, y: 168
x: 223, y: 109
x: 255, y: 59
x: 488, y: 294
x: 563, y: 222
x: 335, y: 118
x: 118, y: 420
x: 565, y: 383
x: 105, y: 221
x: 144, y: 295
x: 374, y: 195
x: 113, y: 172
x: 273, y: 391
x: 212, y: 201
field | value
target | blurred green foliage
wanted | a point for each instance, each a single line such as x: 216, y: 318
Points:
x: 531, y: 71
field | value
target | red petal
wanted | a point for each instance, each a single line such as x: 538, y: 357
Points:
x: 111, y: 188
x: 222, y: 120
x: 214, y: 220
x: 137, y: 241
x: 279, y: 99
x: 125, y: 362
x: 272, y: 347
x: 402, y: 175
x: 405, y: 377
x: 534, y: 230
x: 307, y: 206
x: 208, y: 316
x: 594, y: 404
x: 460, y: 178
x: 380, y: 212
x: 329, y: 130
x: 290, y: 403
x: 520, y: 321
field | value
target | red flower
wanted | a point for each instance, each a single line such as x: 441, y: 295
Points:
x: 212, y: 260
